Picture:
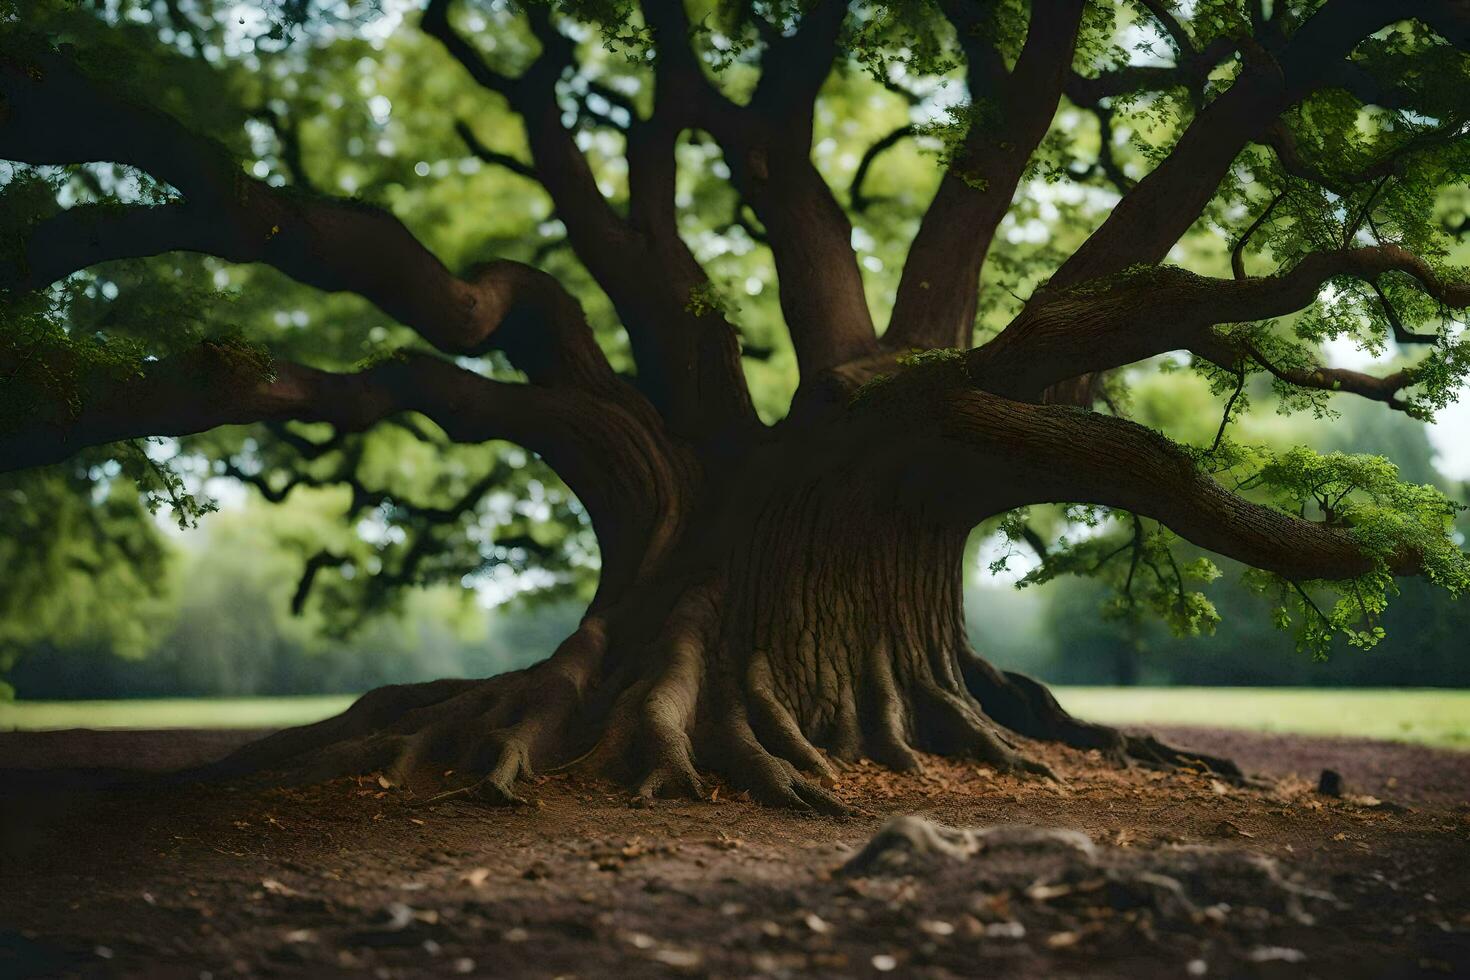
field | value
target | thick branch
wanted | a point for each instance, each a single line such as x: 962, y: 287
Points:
x: 630, y: 478
x: 768, y: 146
x: 214, y: 386
x: 1059, y: 455
x: 1148, y: 221
x: 57, y: 115
x: 688, y: 365
x: 938, y: 292
x: 1087, y: 330
x: 795, y: 67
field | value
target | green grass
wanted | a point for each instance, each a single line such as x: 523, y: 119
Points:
x: 1431, y: 716
x: 171, y: 713
x: 1434, y: 717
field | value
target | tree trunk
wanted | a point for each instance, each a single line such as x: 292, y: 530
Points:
x: 803, y: 624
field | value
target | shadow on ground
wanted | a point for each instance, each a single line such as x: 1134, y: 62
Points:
x: 1105, y: 874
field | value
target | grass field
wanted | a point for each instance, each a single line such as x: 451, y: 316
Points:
x: 1433, y: 717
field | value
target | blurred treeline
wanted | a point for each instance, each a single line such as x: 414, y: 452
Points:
x: 1056, y: 634
x: 225, y: 628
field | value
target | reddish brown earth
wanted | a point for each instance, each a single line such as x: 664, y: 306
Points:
x: 352, y: 879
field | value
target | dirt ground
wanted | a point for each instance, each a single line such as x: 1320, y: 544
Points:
x: 1178, y: 875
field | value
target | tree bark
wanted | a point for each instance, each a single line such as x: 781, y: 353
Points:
x: 810, y: 614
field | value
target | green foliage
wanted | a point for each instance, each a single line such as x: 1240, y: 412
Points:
x: 1146, y: 576
x: 708, y: 298
x: 1391, y: 521
x: 952, y: 356
x: 79, y: 560
x: 159, y: 486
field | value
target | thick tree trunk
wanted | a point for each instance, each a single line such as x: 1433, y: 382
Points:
x: 801, y: 627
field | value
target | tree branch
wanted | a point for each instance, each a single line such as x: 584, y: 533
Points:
x: 1148, y: 221
x: 495, y: 158
x: 1190, y: 72
x: 58, y: 115
x: 688, y: 365
x: 214, y: 385
x: 857, y: 199
x: 768, y: 147
x: 1107, y: 161
x: 938, y: 291
x: 1086, y: 330
x: 622, y: 468
x: 1059, y: 455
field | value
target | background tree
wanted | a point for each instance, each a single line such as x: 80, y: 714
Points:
x: 777, y: 587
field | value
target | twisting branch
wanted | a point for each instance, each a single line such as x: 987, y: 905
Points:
x: 495, y: 158
x: 1076, y: 332
x: 1401, y: 334
x: 1059, y: 455
x: 314, y: 566
x: 306, y: 448
x: 1107, y: 161
x: 857, y: 198
x: 938, y: 291
x: 364, y: 497
x: 423, y: 518
x: 1384, y: 388
x: 688, y: 364
x: 1148, y: 221
x: 1237, y: 252
x: 59, y: 115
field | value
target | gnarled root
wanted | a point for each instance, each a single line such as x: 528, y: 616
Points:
x: 493, y: 729
x: 662, y: 729
x: 1025, y: 706
x: 779, y: 725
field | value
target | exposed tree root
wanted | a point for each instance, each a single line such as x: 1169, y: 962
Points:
x: 655, y: 716
x: 491, y: 730
x: 1026, y: 706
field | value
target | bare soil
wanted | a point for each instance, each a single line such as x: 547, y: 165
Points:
x: 103, y: 875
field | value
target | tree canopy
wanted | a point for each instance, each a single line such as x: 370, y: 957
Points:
x: 712, y: 204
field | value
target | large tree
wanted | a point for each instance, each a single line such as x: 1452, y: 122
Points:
x: 778, y: 590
